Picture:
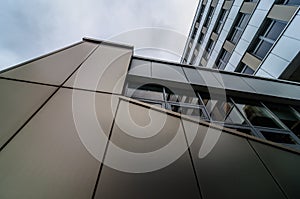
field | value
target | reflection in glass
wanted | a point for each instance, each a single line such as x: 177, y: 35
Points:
x: 182, y: 96
x: 292, y: 2
x: 257, y: 114
x: 278, y: 137
x: 287, y: 115
x: 242, y: 130
x: 148, y: 91
x: 236, y: 36
x: 223, y: 111
x: 196, y: 112
x: 248, y: 70
x: 263, y: 49
x: 275, y: 30
x: 220, y: 21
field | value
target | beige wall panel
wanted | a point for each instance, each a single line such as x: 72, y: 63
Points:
x: 53, y: 69
x: 19, y: 101
x: 282, y: 12
x: 248, y: 7
x: 105, y: 70
x: 251, y: 61
x: 47, y: 159
x: 226, y: 165
x: 147, y: 144
x: 228, y: 46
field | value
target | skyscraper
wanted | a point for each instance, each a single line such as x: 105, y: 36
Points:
x: 94, y: 121
x: 250, y: 37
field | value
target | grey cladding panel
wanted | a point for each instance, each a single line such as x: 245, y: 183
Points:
x: 141, y: 168
x: 233, y: 82
x: 18, y: 102
x: 140, y: 68
x: 201, y: 77
x: 168, y: 72
x: 274, y: 88
x: 53, y: 69
x: 283, y: 165
x: 47, y: 159
x: 227, y: 167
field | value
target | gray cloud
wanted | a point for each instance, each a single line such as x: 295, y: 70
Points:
x: 34, y: 27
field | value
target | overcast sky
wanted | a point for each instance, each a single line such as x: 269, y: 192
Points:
x: 30, y: 28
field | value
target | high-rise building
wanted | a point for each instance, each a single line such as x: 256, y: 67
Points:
x: 250, y: 37
x: 94, y: 121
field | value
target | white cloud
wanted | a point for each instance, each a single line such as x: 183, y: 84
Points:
x: 37, y: 27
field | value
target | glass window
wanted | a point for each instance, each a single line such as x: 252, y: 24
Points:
x: 208, y: 48
x: 220, y: 21
x: 287, y: 115
x: 194, y: 33
x: 242, y: 130
x: 226, y: 56
x: 257, y: 114
x: 221, y: 65
x: 292, y: 2
x: 182, y: 96
x: 248, y: 70
x: 209, y: 17
x: 154, y: 103
x: 278, y: 137
x: 148, y: 91
x: 193, y: 59
x: 201, y: 11
x: 269, y: 33
x: 243, y: 21
x: 239, y: 26
x: 220, y: 110
x: 200, y: 39
x: 223, y: 60
x: 275, y: 30
x: 236, y: 36
x: 196, y: 112
x: 263, y: 49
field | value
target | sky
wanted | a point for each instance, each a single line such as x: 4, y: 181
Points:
x: 30, y: 28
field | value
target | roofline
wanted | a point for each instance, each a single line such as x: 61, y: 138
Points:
x: 40, y: 57
x: 108, y: 43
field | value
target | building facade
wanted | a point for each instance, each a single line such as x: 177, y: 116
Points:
x: 94, y: 121
x: 251, y: 37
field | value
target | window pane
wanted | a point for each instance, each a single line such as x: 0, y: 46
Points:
x: 226, y: 56
x: 275, y: 30
x: 223, y: 14
x: 150, y: 91
x: 293, y: 2
x: 248, y: 70
x: 242, y: 130
x: 195, y: 112
x: 223, y: 111
x: 235, y: 117
x: 278, y: 137
x: 200, y: 39
x: 236, y: 36
x: 263, y: 49
x: 221, y: 65
x: 257, y: 114
x: 182, y: 96
x: 288, y: 116
x: 244, y: 20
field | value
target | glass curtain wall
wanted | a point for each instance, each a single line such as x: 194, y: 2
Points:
x: 273, y: 122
